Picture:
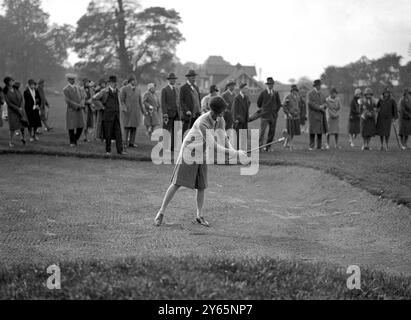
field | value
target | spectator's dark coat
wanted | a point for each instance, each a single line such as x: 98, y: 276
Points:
x: 241, y: 109
x: 33, y: 116
x: 186, y: 101
x: 354, y: 126
x: 387, y: 110
x: 269, y: 105
x: 405, y: 116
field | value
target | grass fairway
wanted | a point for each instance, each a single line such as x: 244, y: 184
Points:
x: 196, y: 278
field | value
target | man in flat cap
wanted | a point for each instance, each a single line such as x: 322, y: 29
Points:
x: 190, y: 101
x: 110, y: 97
x: 269, y: 103
x: 133, y: 112
x: 170, y: 101
x: 75, y: 101
x: 317, y: 120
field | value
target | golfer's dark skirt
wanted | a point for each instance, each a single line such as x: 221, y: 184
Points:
x: 294, y: 127
x: 192, y: 176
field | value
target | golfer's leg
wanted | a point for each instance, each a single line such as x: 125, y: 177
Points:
x: 168, y: 197
x: 200, y: 202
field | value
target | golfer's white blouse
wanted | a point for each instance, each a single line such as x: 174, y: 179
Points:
x: 207, y: 133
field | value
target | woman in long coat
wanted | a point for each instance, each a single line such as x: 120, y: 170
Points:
x: 368, y: 115
x: 333, y: 117
x: 152, y: 115
x: 387, y: 112
x: 405, y: 118
x: 15, y: 110
x: 354, y: 123
x: 32, y: 107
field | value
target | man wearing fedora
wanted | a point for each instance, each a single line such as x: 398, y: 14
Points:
x: 75, y: 101
x: 229, y: 97
x: 269, y: 103
x: 190, y: 101
x: 317, y: 120
x: 110, y: 98
x: 169, y: 105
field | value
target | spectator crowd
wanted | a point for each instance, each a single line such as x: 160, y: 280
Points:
x: 108, y: 111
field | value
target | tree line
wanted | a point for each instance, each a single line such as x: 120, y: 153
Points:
x: 113, y: 36
x: 377, y: 74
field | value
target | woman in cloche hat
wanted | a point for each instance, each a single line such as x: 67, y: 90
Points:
x: 194, y: 175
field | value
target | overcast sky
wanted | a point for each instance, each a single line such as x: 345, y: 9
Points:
x: 285, y: 38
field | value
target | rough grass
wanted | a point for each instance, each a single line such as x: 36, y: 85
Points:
x: 196, y: 278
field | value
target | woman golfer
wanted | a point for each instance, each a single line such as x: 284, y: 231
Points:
x: 194, y: 176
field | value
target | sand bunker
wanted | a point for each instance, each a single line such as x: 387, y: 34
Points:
x: 54, y: 209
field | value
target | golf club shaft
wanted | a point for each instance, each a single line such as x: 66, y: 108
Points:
x: 267, y: 145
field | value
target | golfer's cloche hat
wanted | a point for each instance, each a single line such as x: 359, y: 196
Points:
x: 368, y: 92
x: 218, y: 104
x: 294, y: 88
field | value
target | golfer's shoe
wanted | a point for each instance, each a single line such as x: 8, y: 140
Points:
x: 201, y: 221
x: 159, y: 220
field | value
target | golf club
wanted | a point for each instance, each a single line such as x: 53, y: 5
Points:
x: 281, y: 140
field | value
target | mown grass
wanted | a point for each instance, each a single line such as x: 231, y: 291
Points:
x: 197, y: 278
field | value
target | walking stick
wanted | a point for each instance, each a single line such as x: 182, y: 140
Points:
x: 396, y: 135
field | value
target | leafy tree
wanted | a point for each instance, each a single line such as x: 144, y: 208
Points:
x: 30, y: 47
x: 385, y: 72
x: 116, y: 35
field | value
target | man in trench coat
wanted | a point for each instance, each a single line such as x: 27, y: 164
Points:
x: 317, y: 120
x: 75, y: 101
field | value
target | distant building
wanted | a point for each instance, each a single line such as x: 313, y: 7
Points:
x: 215, y: 70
